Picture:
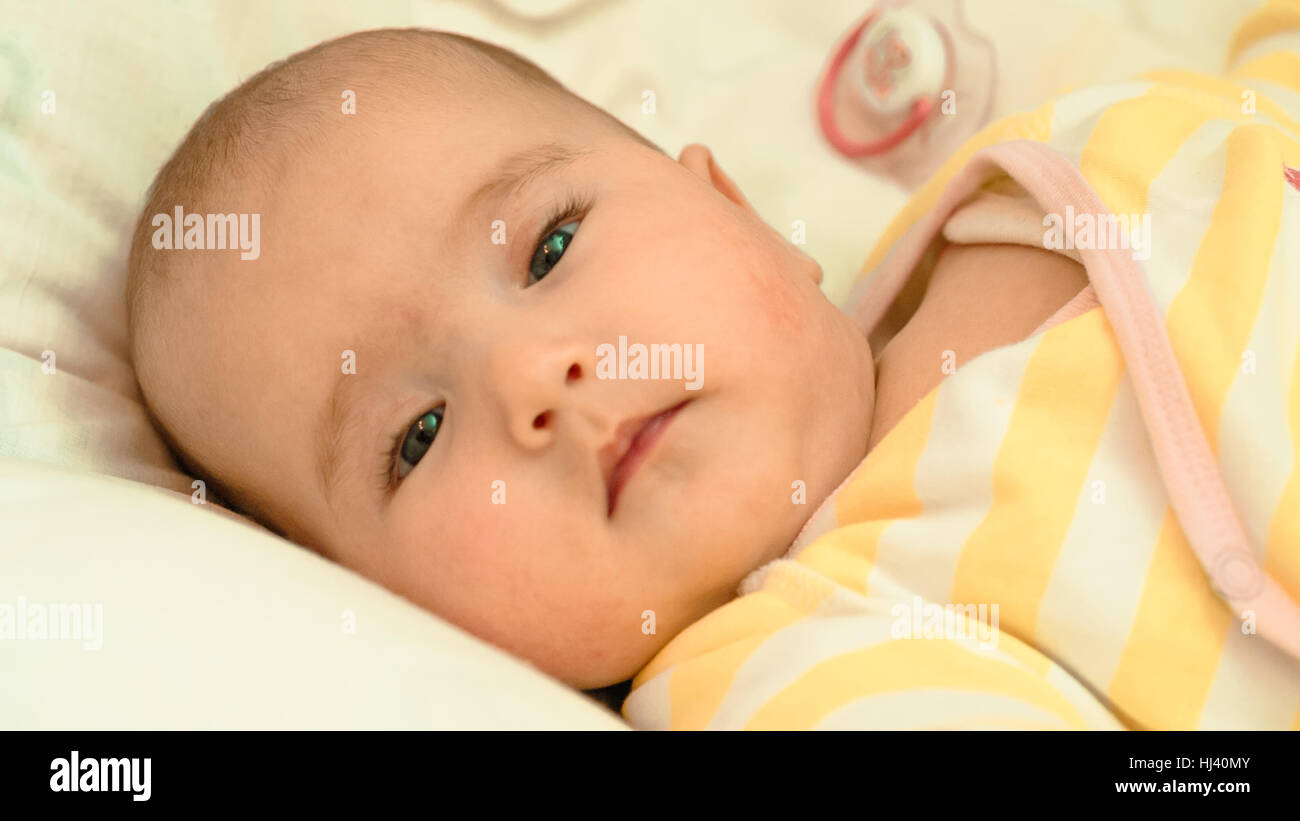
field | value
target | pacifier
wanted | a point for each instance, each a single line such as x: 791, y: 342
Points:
x: 905, y: 87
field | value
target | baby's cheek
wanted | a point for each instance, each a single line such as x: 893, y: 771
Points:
x: 776, y: 297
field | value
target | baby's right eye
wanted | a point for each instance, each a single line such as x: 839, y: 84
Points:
x: 417, y: 441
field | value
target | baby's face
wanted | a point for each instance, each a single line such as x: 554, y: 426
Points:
x: 478, y: 366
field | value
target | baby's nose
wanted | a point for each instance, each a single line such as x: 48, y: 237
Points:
x: 537, y: 388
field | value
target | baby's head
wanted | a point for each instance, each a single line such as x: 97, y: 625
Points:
x: 410, y: 377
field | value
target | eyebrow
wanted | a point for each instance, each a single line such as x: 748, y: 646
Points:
x: 521, y: 168
x: 511, y: 175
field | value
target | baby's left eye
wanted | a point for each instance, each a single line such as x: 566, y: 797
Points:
x: 548, y: 254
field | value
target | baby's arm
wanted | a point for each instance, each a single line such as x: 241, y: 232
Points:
x: 979, y: 297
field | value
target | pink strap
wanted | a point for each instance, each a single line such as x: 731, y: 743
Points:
x: 1196, y: 489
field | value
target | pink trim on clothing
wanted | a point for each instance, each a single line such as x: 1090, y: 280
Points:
x: 1118, y: 282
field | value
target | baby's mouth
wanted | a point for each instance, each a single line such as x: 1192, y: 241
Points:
x: 633, y: 442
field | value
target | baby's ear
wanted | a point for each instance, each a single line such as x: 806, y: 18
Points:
x: 699, y: 160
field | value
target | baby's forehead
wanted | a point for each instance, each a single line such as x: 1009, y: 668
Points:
x: 367, y: 77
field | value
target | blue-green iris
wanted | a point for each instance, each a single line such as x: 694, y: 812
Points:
x: 420, y: 436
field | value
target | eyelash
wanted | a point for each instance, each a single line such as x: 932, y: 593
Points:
x: 572, y: 206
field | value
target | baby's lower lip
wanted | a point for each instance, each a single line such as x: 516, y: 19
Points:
x: 639, y: 451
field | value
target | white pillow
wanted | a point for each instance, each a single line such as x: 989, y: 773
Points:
x: 210, y: 623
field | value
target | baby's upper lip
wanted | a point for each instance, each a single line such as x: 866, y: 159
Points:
x: 613, y: 453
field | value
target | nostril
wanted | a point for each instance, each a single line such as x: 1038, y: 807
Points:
x: 540, y: 420
x: 575, y: 372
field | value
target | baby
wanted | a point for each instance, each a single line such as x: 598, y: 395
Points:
x: 405, y: 378
x: 410, y: 376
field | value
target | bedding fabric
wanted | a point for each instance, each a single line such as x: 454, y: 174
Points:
x: 1098, y: 526
x: 220, y: 627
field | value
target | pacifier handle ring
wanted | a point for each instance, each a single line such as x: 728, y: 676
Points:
x: 826, y: 106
